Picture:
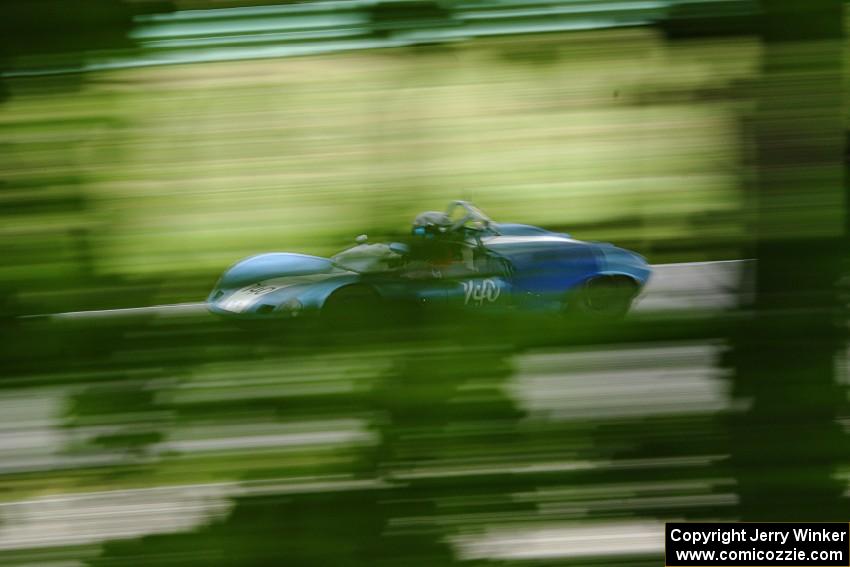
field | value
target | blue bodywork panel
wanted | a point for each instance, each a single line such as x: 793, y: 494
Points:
x: 276, y: 284
x: 499, y: 266
x: 513, y: 229
x: 267, y: 266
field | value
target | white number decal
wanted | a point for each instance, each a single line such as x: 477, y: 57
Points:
x: 478, y: 291
x: 259, y: 289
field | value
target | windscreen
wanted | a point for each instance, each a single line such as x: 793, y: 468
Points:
x: 368, y: 258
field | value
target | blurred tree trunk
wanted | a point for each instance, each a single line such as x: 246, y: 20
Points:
x: 786, y: 443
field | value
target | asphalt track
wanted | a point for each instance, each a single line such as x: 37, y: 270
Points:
x: 685, y: 286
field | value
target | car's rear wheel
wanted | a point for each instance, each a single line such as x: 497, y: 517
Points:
x: 352, y: 307
x: 608, y: 297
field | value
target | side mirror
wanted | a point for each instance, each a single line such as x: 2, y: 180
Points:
x: 361, y: 239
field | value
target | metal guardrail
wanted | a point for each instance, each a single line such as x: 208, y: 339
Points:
x: 195, y: 36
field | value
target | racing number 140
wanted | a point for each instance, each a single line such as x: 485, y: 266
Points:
x: 478, y: 291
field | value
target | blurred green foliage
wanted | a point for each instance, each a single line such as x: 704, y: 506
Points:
x: 176, y: 440
x: 180, y: 171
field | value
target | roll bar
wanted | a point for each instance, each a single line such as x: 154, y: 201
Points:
x: 473, y: 213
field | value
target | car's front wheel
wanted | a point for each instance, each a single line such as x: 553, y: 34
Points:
x: 608, y: 297
x: 352, y: 307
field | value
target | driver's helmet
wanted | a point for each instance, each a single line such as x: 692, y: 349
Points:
x: 431, y: 223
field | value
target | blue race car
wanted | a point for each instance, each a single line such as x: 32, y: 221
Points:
x: 459, y: 259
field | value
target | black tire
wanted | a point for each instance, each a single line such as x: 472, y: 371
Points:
x: 602, y: 298
x: 352, y: 307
